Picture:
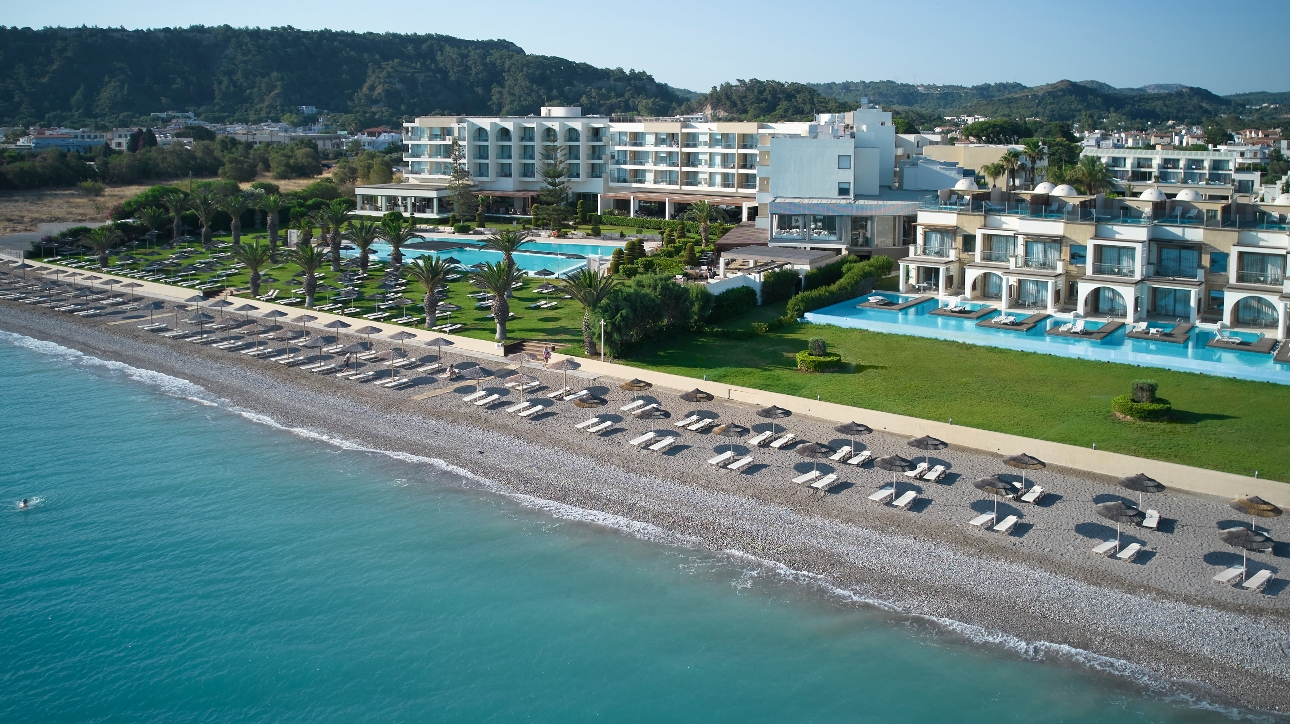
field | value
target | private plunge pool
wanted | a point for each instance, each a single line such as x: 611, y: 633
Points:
x: 1192, y: 355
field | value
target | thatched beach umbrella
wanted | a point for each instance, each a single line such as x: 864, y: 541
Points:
x: 772, y: 413
x: 635, y: 385
x: 1142, y: 484
x: 1255, y: 507
x: 337, y: 325
x: 564, y: 366
x: 353, y: 349
x: 521, y: 357
x: 729, y: 430
x: 853, y: 430
x: 815, y: 451
x: 587, y: 401
x: 927, y: 443
x: 304, y: 319
x: 368, y: 331
x: 893, y: 464
x: 152, y: 307
x: 697, y: 395
x: 994, y: 485
x: 200, y: 319
x: 1247, y: 540
x: 392, y: 355
x: 439, y: 342
x: 1120, y: 513
x: 317, y: 343
x: 1024, y: 462
x: 131, y: 286
x: 401, y: 335
x: 111, y: 282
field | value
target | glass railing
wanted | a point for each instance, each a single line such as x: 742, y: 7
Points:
x: 994, y: 256
x: 1034, y: 262
x: 942, y: 252
x: 1272, y: 278
x: 1173, y: 270
x: 1113, y: 270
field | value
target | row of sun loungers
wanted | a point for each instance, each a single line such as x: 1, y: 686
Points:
x: 987, y: 521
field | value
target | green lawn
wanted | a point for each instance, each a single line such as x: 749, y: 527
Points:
x: 1222, y: 424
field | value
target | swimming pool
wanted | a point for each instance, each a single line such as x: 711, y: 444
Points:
x: 548, y: 247
x: 1191, y: 356
x: 562, y: 259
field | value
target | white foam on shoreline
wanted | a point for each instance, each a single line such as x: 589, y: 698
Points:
x: 1030, y: 650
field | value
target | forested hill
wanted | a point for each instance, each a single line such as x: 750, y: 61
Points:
x: 75, y: 76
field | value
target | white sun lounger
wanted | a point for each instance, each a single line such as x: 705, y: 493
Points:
x: 722, y: 458
x: 632, y: 405
x: 861, y: 459
x: 783, y: 441
x: 644, y: 409
x: 1130, y: 552
x: 362, y: 377
x: 826, y: 482
x: 1152, y: 520
x: 934, y: 474
x: 519, y: 406
x: 474, y: 396
x: 905, y: 500
x: 587, y: 423
x: 325, y: 369
x: 1006, y: 525
x: 701, y: 424
x: 1034, y: 495
x: 576, y: 395
x: 1228, y: 575
x: 741, y: 463
x: 488, y: 400
x: 1106, y: 547
x: 638, y: 441
x: 531, y: 411
x: 1257, y: 581
x: 429, y: 368
x: 917, y: 472
x: 760, y: 438
x: 663, y: 444
x: 881, y: 496
x: 560, y: 392
x: 806, y: 477
x: 840, y: 453
x: 687, y: 421
x: 983, y: 520
x: 597, y: 429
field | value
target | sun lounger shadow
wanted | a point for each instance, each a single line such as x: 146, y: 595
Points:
x: 840, y: 487
x: 675, y: 450
x: 808, y: 466
x: 921, y: 503
x: 552, y: 413
x: 1226, y: 559
x: 1143, y: 557
x: 1048, y: 500
x: 986, y: 505
x: 598, y: 391
x: 1095, y: 531
x: 755, y: 468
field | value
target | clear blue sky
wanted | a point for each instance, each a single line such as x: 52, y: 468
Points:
x: 1225, y: 47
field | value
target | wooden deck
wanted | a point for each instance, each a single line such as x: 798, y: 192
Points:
x: 1022, y: 325
x: 1178, y: 335
x: 1263, y: 346
x: 1097, y: 335
x: 895, y: 307
x: 976, y: 314
x: 1283, y: 354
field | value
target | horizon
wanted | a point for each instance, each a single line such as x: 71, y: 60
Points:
x: 917, y: 49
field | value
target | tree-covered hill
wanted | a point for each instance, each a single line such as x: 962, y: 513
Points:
x: 764, y: 100
x: 71, y: 76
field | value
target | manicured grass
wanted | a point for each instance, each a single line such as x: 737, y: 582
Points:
x: 1221, y: 424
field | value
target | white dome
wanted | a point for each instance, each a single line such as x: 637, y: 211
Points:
x: 1065, y: 190
x: 965, y: 184
x: 1188, y: 195
x: 1044, y: 188
x: 1283, y: 200
x: 1152, y: 194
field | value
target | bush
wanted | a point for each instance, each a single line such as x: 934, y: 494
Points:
x: 858, y: 279
x: 808, y: 362
x: 732, y: 303
x: 817, y: 347
x: 1126, y: 407
x: 779, y: 285
x: 1144, y: 391
x: 827, y: 274
x: 91, y: 188
x: 462, y: 228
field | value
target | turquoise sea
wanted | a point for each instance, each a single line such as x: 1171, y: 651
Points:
x: 185, y: 562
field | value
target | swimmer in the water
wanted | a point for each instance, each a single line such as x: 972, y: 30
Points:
x: 23, y: 504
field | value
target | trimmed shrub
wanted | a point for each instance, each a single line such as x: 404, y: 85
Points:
x: 1125, y: 406
x: 778, y: 285
x: 827, y: 274
x: 1144, y: 391
x: 858, y: 279
x: 817, y: 347
x: 463, y: 228
x: 808, y: 362
x: 732, y: 303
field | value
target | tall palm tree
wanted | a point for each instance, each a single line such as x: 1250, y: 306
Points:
x: 589, y: 289
x: 498, y: 278
x: 333, y: 217
x: 1034, y: 153
x: 254, y: 256
x: 175, y: 201
x: 271, y: 205
x: 430, y: 272
x: 397, y: 231
x: 993, y: 171
x: 1011, y: 161
x: 152, y: 217
x: 204, y: 205
x: 507, y: 241
x: 310, y: 260
x: 236, y: 205
x: 305, y: 225
x: 702, y: 213
x: 101, y: 240
x: 363, y: 233
x: 1091, y: 176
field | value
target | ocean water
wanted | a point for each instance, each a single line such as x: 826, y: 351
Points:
x: 184, y: 561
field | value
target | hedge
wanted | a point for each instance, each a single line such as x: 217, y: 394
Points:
x: 808, y: 362
x: 717, y: 230
x: 778, y: 285
x: 732, y: 303
x: 827, y: 274
x: 1124, y: 406
x: 857, y: 280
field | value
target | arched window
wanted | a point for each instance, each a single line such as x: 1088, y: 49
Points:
x: 571, y: 135
x: 991, y: 286
x: 503, y: 135
x: 1256, y: 312
x: 1110, y: 302
x: 481, y: 135
x: 550, y: 135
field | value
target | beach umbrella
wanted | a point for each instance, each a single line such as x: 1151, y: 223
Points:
x: 1247, y: 540
x: 337, y: 325
x: 1142, y: 484
x: 697, y: 395
x: 1120, y: 513
x: 994, y: 485
x: 815, y: 451
x: 152, y: 307
x: 195, y: 299
x: 1254, y: 506
x: 521, y: 357
x: 927, y: 443
x: 132, y: 285
x: 353, y: 349
x: 564, y: 366
x: 544, y: 273
x: 439, y: 342
x: 111, y: 282
x: 772, y: 413
x: 401, y: 335
x: 729, y: 430
x: 245, y: 309
x: 91, y: 279
x: 587, y: 401
x: 635, y: 385
x: 392, y: 355
x: 368, y: 331
x: 199, y: 319
x: 317, y: 342
x: 1024, y: 462
x: 853, y: 430
x: 893, y: 464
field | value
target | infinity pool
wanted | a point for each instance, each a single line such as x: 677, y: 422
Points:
x: 1192, y: 356
x: 535, y: 255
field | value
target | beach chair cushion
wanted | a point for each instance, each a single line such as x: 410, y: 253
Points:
x: 1006, y: 525
x: 826, y: 482
x: 935, y: 473
x: 721, y: 458
x: 741, y: 463
x: 1106, y: 547
x: 596, y: 429
x: 783, y: 441
x: 1034, y: 495
x: 982, y: 520
x: 1257, y: 581
x: 662, y: 444
x: 806, y: 477
x: 532, y: 410
x: 1227, y: 575
x: 687, y: 421
x: 905, y: 500
x: 1130, y: 552
x: 880, y: 496
x: 636, y: 442
x: 916, y: 472
x: 760, y: 438
x: 587, y: 423
x: 1152, y: 520
x: 841, y: 453
x: 861, y: 459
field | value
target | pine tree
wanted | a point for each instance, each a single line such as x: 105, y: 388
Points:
x: 554, y: 194
x: 582, y: 212
x: 690, y: 258
x: 148, y: 139
x: 616, y: 260
x: 459, y: 183
x: 595, y: 224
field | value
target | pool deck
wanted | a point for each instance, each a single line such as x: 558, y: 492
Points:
x: 1022, y: 325
x: 1178, y: 335
x: 971, y: 314
x: 1097, y: 335
x: 895, y: 307
x: 1263, y: 346
x: 1283, y: 354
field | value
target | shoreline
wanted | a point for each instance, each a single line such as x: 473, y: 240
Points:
x: 1020, y: 592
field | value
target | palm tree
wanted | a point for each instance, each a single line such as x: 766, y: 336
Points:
x: 1011, y: 161
x: 271, y: 204
x: 589, y: 289
x: 310, y: 260
x: 363, y: 233
x: 430, y: 272
x: 152, y: 217
x: 254, y: 256
x: 305, y: 226
x: 702, y: 213
x: 235, y: 206
x: 396, y: 231
x: 1034, y: 153
x: 332, y: 217
x: 1091, y: 176
x: 176, y: 201
x: 101, y: 240
x: 498, y: 278
x: 993, y: 171
x: 204, y: 205
x: 506, y: 241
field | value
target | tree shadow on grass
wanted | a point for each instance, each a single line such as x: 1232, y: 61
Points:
x: 854, y: 368
x: 1183, y: 417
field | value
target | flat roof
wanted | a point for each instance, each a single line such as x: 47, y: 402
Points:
x: 789, y: 255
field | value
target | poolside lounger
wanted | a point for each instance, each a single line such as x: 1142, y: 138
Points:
x: 760, y: 438
x: 826, y: 482
x: 934, y: 474
x: 722, y: 458
x: 905, y: 500
x: 917, y: 472
x: 701, y: 424
x: 638, y: 441
x: 1034, y: 495
x: 1130, y: 552
x: 983, y: 520
x: 576, y: 395
x: 1227, y: 576
x: 1152, y: 520
x: 861, y: 459
x: 881, y: 496
x: 1106, y: 547
x: 663, y: 444
x: 1006, y: 525
x: 1257, y: 581
x: 639, y: 412
x: 807, y: 477
x: 587, y: 423
x: 531, y: 411
x: 519, y: 406
x: 631, y: 405
x: 687, y: 421
x: 840, y: 453
x: 740, y: 464
x: 597, y: 429
x: 474, y: 396
x: 488, y: 400
x: 783, y: 441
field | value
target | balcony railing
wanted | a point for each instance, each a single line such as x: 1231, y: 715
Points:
x: 1176, y: 271
x: 1272, y: 278
x: 1034, y: 262
x: 994, y: 256
x: 1113, y: 270
x: 940, y: 252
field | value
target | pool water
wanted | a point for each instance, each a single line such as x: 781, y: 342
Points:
x: 1191, y: 356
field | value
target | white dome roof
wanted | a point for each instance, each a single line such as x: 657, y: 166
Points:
x: 965, y: 184
x: 1152, y: 194
x: 1283, y: 200
x: 1188, y: 195
x: 1044, y: 188
x: 1065, y: 190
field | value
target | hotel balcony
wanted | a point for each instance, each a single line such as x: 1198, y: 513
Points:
x: 939, y: 253
x: 1264, y: 279
x: 1113, y: 270
x: 1036, y: 264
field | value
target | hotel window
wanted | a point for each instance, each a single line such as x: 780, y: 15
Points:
x: 789, y: 226
x: 550, y: 135
x: 573, y: 153
x: 481, y: 170
x: 504, y: 135
x: 481, y: 136
x: 528, y: 170
x: 844, y: 162
x: 824, y: 228
x: 528, y: 133
x: 861, y: 231
x: 618, y: 176
x: 504, y: 153
x: 417, y: 133
x: 572, y: 135
x: 503, y: 170
x: 575, y: 170
x: 527, y: 153
x: 969, y: 243
x: 1079, y: 255
x: 844, y: 188
x: 481, y: 153
x: 1215, y: 300
x: 1218, y: 262
x: 597, y: 170
x: 420, y: 166
x: 440, y: 168
x: 668, y: 178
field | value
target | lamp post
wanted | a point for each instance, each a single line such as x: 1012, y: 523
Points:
x: 602, y: 339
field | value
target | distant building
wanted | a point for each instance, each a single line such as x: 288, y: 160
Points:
x: 66, y: 139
